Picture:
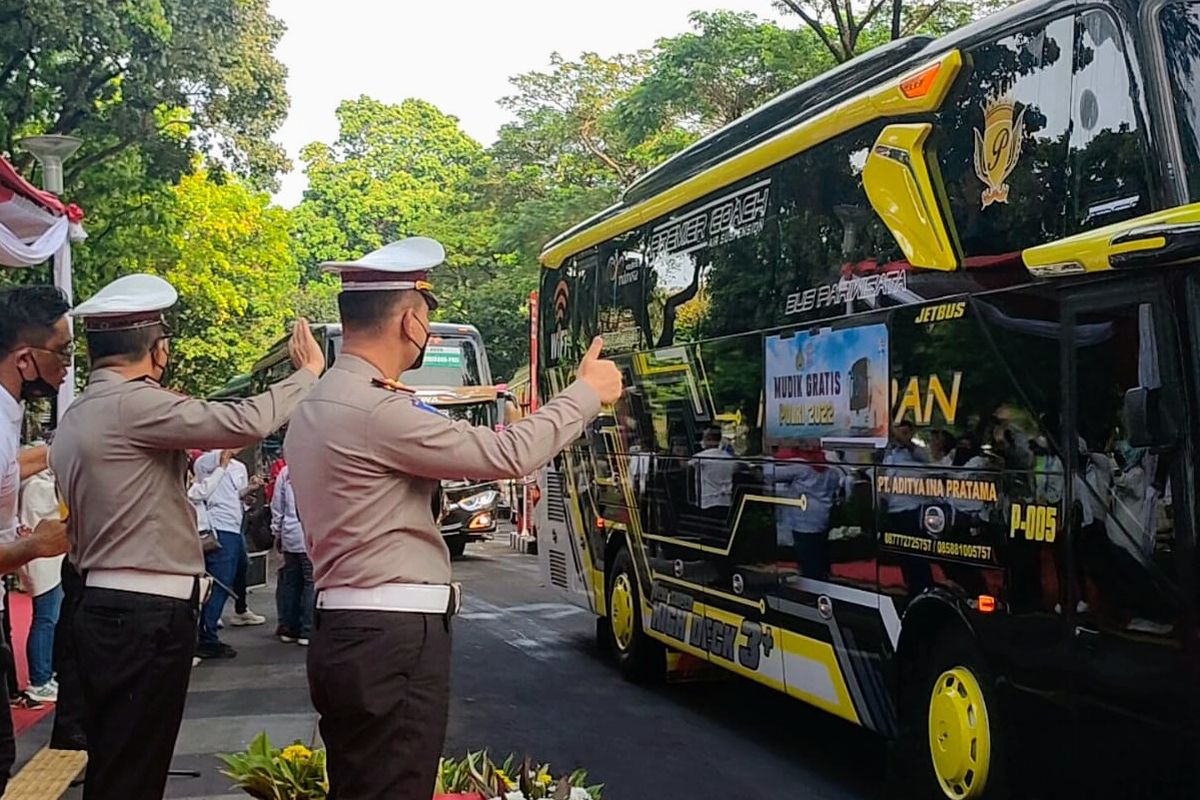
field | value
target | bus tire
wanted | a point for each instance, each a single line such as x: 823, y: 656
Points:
x: 457, y: 545
x: 951, y: 744
x: 639, y: 657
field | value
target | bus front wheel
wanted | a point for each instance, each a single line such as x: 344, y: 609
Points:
x: 639, y: 657
x: 954, y: 744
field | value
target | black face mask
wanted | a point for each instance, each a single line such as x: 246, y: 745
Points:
x: 166, y: 368
x: 421, y: 352
x: 37, y: 388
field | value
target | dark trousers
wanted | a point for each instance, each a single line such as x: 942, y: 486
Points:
x: 294, y: 595
x: 8, y: 744
x: 222, y: 564
x: 239, y: 580
x: 138, y: 651
x: 69, y: 710
x: 381, y: 683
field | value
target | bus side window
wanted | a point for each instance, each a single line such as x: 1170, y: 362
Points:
x: 1107, y: 145
x: 1003, y: 147
x: 1124, y: 551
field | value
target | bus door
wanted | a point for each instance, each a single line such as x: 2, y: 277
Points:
x: 1130, y: 525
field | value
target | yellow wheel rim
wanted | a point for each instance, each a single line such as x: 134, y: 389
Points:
x: 621, y: 610
x: 960, y: 739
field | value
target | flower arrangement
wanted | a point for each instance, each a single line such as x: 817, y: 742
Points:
x: 297, y: 772
x: 477, y: 776
x: 268, y: 773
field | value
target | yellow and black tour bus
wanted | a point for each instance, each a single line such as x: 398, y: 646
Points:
x: 912, y: 398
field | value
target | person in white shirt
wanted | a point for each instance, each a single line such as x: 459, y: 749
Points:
x: 42, y: 578
x: 714, y: 468
x: 223, y: 508
x: 35, y: 350
x: 294, y: 589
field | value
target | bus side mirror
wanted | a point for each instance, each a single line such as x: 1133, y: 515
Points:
x: 1148, y: 422
x: 904, y: 188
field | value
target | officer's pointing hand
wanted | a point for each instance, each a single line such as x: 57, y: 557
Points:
x: 304, y: 350
x: 601, y: 374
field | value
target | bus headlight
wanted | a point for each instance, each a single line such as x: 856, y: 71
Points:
x: 479, y: 501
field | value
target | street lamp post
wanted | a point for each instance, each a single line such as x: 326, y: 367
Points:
x: 51, y: 150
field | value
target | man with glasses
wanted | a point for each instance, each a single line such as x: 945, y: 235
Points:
x: 35, y: 342
x: 120, y: 456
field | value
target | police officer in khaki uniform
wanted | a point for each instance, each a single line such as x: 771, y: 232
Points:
x: 119, y: 457
x: 366, y: 459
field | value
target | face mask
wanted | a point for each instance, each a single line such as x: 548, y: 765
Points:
x: 36, y: 388
x: 165, y: 375
x: 420, y: 351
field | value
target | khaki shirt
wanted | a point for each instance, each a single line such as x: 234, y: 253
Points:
x: 119, y: 454
x: 366, y: 461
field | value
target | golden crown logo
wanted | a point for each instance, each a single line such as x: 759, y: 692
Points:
x: 998, y: 149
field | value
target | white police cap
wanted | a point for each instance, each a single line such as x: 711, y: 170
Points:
x: 402, y: 265
x: 132, y: 301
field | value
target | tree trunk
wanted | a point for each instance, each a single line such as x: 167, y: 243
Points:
x: 897, y: 5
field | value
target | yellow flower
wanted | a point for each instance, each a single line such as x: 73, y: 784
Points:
x: 294, y: 752
x: 508, y: 782
x: 545, y: 779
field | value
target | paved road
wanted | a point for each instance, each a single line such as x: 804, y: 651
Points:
x: 528, y: 678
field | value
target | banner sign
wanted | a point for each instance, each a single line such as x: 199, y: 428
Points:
x: 828, y: 386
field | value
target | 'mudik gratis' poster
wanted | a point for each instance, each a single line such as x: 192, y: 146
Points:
x: 828, y: 386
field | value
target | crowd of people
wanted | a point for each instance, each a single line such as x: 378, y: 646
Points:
x: 223, y: 493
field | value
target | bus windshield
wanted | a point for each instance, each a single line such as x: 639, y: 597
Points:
x: 451, y: 362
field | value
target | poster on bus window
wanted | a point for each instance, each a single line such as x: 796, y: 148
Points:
x: 827, y: 386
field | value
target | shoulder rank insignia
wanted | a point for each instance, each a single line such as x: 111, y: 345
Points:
x: 391, y: 385
x: 400, y: 388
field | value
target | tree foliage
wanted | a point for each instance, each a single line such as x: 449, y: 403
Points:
x: 168, y: 78
x: 230, y: 259
x: 848, y: 28
x: 394, y: 171
x: 733, y: 62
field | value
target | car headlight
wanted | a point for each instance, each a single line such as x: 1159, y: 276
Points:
x: 479, y: 501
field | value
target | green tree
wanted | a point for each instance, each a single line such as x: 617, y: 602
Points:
x: 701, y: 80
x: 566, y: 125
x: 168, y: 79
x: 406, y: 170
x: 227, y: 251
x: 849, y: 28
x: 394, y: 171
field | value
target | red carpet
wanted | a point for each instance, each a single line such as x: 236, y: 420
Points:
x: 20, y: 609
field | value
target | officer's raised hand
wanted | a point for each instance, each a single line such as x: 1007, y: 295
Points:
x: 600, y: 373
x: 304, y: 350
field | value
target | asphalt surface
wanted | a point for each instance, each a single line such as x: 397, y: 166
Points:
x: 528, y: 678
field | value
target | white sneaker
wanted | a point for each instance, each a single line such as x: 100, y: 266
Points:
x: 283, y: 637
x: 247, y: 618
x: 46, y: 693
x: 196, y: 661
x: 302, y: 641
x: 220, y: 624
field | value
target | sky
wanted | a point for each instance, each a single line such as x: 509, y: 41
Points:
x: 457, y: 55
